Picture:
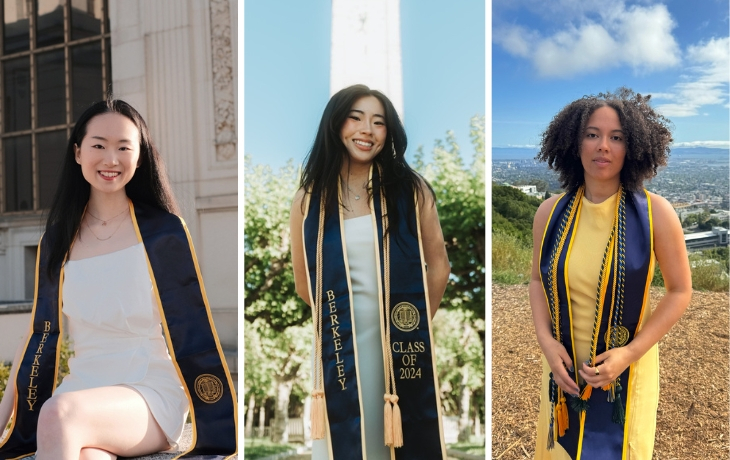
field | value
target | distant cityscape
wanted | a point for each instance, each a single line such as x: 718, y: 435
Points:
x: 695, y: 179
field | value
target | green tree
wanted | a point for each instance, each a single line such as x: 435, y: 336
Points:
x: 513, y: 211
x: 460, y: 201
x: 269, y: 292
x: 460, y: 360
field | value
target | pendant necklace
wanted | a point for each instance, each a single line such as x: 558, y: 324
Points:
x: 97, y: 236
x: 357, y: 196
x: 104, y: 222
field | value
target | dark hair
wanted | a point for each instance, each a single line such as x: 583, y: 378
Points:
x: 324, y: 162
x: 149, y: 184
x: 647, y: 136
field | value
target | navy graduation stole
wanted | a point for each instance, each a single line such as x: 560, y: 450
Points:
x: 595, y: 425
x: 189, y: 332
x: 411, y: 387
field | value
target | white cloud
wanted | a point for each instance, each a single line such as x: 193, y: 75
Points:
x: 602, y: 37
x: 705, y: 81
x: 709, y: 144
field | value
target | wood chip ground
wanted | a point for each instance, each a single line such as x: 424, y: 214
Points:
x: 692, y: 420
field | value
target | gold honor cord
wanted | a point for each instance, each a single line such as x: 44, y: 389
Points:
x: 557, y: 398
x: 318, y: 407
x: 391, y: 413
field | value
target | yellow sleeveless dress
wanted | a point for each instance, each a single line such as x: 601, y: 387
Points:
x: 584, y: 266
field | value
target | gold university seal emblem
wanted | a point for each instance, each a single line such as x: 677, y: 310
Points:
x: 405, y: 316
x: 622, y: 336
x: 209, y: 388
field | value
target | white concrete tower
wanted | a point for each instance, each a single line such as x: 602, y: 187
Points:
x: 366, y: 47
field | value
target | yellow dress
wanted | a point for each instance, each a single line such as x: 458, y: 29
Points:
x: 584, y: 265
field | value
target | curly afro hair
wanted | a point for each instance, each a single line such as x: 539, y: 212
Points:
x: 647, y: 136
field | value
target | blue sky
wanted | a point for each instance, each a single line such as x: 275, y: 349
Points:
x: 546, y: 54
x: 286, y: 73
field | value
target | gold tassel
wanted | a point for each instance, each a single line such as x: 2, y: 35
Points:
x: 562, y: 416
x: 388, y: 418
x: 585, y: 395
x: 317, y: 414
x: 397, y: 423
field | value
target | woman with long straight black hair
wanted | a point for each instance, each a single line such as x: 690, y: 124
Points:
x: 369, y: 258
x: 117, y: 261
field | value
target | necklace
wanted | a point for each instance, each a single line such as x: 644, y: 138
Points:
x: 104, y: 222
x: 97, y: 236
x: 357, y: 196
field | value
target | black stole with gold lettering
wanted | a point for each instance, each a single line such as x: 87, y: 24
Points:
x: 404, y: 307
x: 189, y: 332
x: 598, y: 430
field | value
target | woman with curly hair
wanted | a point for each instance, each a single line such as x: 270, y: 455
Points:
x: 595, y: 248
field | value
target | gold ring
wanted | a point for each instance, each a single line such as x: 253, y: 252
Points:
x: 597, y: 371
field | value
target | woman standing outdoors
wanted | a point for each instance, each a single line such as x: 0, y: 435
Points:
x: 119, y: 262
x: 594, y: 253
x: 369, y: 258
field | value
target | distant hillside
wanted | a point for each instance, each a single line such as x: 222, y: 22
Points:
x: 683, y: 153
x: 512, y: 212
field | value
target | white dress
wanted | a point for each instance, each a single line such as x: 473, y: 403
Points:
x: 115, y: 330
x: 359, y: 239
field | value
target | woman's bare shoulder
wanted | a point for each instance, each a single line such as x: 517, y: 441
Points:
x: 297, y: 201
x: 543, y: 211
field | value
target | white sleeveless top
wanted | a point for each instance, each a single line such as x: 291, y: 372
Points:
x: 115, y: 329
x: 360, y: 243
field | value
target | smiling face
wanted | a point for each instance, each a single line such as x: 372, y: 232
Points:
x: 109, y: 153
x: 364, y: 131
x: 603, y: 147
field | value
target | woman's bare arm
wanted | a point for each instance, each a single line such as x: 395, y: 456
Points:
x: 296, y: 222
x: 7, y: 405
x: 555, y: 353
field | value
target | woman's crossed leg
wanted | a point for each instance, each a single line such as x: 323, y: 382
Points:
x: 99, y: 423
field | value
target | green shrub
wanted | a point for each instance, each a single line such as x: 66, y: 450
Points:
x: 708, y: 274
x: 709, y: 270
x: 511, y: 259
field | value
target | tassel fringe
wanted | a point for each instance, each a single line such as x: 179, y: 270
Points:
x: 317, y: 416
x: 562, y: 412
x: 619, y: 412
x: 580, y: 404
x: 397, y: 423
x: 388, y: 419
x: 551, y: 435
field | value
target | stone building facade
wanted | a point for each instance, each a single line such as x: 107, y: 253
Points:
x: 175, y: 62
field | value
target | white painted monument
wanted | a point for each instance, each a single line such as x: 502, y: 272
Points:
x: 366, y: 47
